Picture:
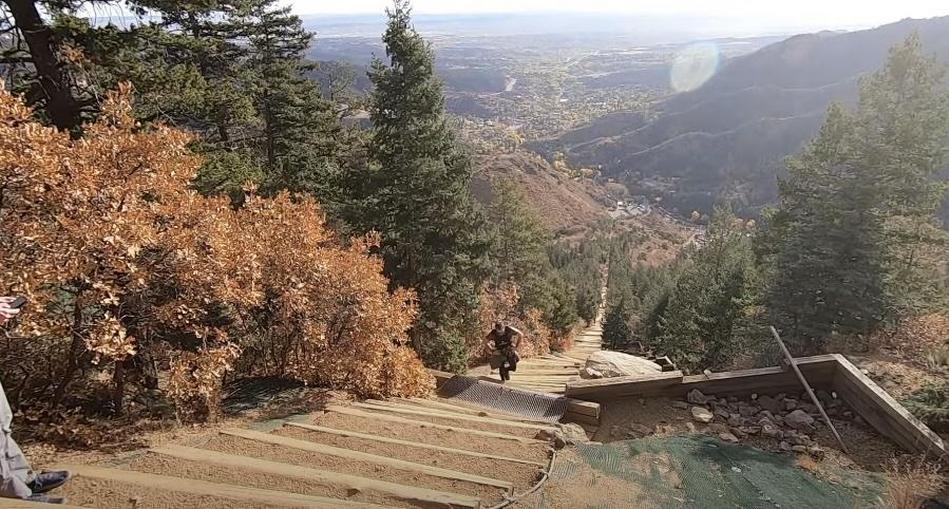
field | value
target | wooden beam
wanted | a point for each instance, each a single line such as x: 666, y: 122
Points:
x: 308, y: 446
x: 399, y: 491
x: 819, y: 370
x: 622, y: 386
x: 459, y: 417
x: 202, y: 488
x: 440, y: 376
x: 407, y: 443
x: 884, y: 413
x: 401, y: 420
x: 17, y: 503
x: 474, y: 410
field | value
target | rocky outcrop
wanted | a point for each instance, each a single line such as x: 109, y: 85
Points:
x: 606, y: 364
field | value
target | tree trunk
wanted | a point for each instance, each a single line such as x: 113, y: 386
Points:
x: 61, y: 106
x: 118, y: 387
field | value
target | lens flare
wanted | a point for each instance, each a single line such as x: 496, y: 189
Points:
x: 693, y: 66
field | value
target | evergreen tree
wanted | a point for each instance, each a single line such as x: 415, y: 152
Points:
x: 901, y: 138
x: 416, y: 194
x: 856, y: 234
x: 616, y: 325
x: 299, y: 129
x: 696, y: 325
x: 519, y: 254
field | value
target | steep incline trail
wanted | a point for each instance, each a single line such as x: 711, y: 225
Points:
x: 551, y: 372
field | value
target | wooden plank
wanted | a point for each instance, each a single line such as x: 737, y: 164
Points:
x: 407, y: 443
x: 424, y: 424
x: 521, y: 371
x: 607, y: 388
x: 458, y: 407
x: 819, y: 370
x: 884, y: 413
x: 308, y: 446
x: 200, y: 488
x: 17, y: 503
x: 583, y: 407
x: 458, y: 417
x: 400, y: 491
x: 440, y: 376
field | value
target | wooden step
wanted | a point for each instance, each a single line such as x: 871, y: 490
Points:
x: 474, y: 409
x: 200, y: 488
x: 407, y: 443
x: 308, y: 446
x: 443, y: 415
x: 16, y: 503
x: 407, y: 493
x: 392, y: 418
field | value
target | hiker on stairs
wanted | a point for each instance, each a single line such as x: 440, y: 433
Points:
x: 17, y: 480
x: 502, y: 342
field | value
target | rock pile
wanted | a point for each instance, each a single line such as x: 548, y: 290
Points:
x: 787, y: 419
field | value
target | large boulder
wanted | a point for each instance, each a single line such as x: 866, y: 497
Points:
x: 609, y: 364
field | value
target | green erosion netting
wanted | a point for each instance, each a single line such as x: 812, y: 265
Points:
x: 703, y: 472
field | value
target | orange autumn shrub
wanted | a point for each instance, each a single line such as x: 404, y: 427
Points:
x: 130, y: 273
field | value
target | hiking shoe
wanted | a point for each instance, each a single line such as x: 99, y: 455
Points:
x: 46, y: 499
x: 49, y: 481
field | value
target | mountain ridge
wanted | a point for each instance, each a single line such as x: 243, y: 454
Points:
x: 759, y: 108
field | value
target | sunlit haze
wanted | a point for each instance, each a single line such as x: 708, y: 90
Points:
x: 813, y: 14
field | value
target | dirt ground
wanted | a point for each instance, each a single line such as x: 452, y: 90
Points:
x: 573, y: 484
x: 163, y: 465
x: 522, y: 476
x: 421, y: 433
x: 242, y: 446
x: 117, y: 495
x: 634, y: 418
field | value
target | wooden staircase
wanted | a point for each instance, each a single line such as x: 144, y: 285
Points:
x: 413, y: 453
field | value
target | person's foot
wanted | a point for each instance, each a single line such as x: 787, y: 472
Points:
x: 46, y: 499
x: 47, y: 481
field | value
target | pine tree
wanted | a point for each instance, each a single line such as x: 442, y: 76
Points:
x: 697, y: 324
x: 298, y: 138
x: 416, y: 194
x: 901, y: 135
x: 827, y: 271
x: 616, y: 325
x: 856, y: 234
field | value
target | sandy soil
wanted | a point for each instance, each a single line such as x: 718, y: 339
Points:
x: 573, y: 484
x: 156, y: 464
x: 523, y: 476
x: 236, y: 445
x: 117, y: 495
x: 421, y: 433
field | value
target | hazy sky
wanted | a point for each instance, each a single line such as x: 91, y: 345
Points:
x: 816, y: 13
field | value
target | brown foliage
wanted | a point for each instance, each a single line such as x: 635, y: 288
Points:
x: 910, y: 483
x: 126, y: 267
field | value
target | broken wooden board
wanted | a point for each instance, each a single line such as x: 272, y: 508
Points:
x: 407, y: 443
x: 229, y: 491
x: 408, y: 493
x: 308, y: 446
x: 623, y: 386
